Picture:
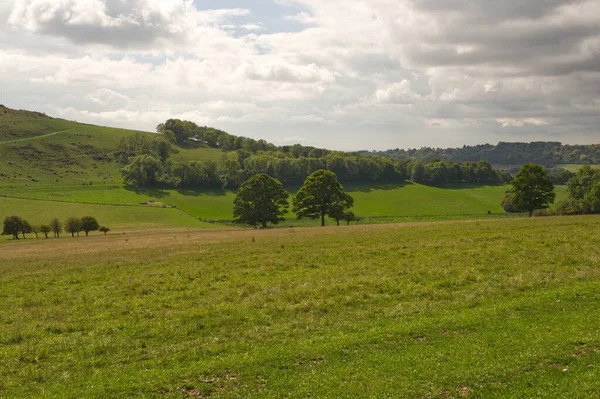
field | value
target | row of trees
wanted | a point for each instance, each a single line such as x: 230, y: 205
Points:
x: 262, y: 200
x: 437, y: 172
x: 16, y: 226
x: 147, y: 162
x: 543, y: 153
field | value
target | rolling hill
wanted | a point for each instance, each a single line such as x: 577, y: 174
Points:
x: 36, y: 149
x: 52, y: 167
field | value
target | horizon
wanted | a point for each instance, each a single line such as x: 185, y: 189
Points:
x: 375, y: 75
x: 349, y: 150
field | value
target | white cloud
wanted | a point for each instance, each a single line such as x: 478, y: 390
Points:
x: 347, y: 74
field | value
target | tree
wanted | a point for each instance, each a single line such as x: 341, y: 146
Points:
x: 56, y: 227
x: 260, y: 200
x: 104, y: 229
x: 45, y: 229
x: 35, y: 229
x: 321, y: 195
x: 418, y: 172
x: 143, y: 170
x: 350, y: 217
x: 88, y: 224
x: 25, y: 228
x: 13, y: 225
x: 532, y: 189
x: 73, y: 225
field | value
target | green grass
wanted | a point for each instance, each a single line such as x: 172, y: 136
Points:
x: 391, y: 203
x: 501, y: 309
x: 118, y: 218
x: 38, y: 150
x: 200, y: 153
x: 22, y: 125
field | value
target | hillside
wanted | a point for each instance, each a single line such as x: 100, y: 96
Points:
x: 548, y: 154
x: 55, y: 168
x: 36, y: 149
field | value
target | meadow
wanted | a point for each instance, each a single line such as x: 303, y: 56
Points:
x: 118, y: 217
x: 389, y: 201
x: 481, y: 309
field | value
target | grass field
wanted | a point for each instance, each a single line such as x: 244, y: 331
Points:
x: 495, y: 309
x: 409, y: 200
x: 118, y: 218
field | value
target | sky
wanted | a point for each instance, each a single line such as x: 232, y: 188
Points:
x: 340, y: 74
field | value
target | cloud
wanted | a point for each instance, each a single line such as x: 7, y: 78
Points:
x: 339, y: 73
x: 281, y: 71
x: 397, y: 93
x: 119, y: 23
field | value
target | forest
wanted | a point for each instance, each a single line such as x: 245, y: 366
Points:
x: 146, y: 162
x: 547, y: 154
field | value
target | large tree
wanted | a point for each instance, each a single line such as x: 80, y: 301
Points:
x: 260, y: 200
x: 532, y: 189
x: 88, y: 224
x: 320, y: 196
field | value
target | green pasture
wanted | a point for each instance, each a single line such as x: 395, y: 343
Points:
x: 495, y: 309
x: 118, y: 218
x: 392, y: 203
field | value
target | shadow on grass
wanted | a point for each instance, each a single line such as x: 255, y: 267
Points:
x: 367, y: 188
x: 214, y: 192
x: 149, y: 192
x: 465, y: 186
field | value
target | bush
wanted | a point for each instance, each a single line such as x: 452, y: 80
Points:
x: 569, y: 207
x: 508, y: 203
x: 544, y: 212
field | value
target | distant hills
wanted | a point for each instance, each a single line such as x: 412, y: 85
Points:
x: 549, y: 154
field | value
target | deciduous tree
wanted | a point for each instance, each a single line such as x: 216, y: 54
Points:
x: 46, y: 229
x: 321, y: 195
x: 532, y: 189
x: 73, y: 226
x: 260, y: 200
x: 57, y: 227
x: 13, y: 225
x: 88, y: 224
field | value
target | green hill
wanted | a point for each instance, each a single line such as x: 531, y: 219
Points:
x: 36, y: 149
x: 47, y: 165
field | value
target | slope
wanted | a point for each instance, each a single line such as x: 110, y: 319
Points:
x: 36, y: 149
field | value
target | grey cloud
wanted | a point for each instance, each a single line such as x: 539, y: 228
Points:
x: 119, y: 23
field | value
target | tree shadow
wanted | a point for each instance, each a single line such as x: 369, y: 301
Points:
x: 465, y: 186
x: 212, y: 192
x: 367, y: 188
x: 149, y: 192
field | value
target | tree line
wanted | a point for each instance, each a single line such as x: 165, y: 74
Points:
x: 16, y: 226
x: 147, y: 162
x: 547, y: 154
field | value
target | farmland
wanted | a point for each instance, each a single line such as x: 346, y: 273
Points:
x: 482, y: 309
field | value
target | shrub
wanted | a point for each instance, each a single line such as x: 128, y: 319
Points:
x: 544, y: 212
